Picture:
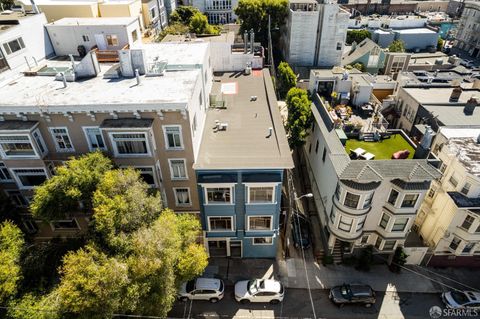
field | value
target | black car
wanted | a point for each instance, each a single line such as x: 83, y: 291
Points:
x: 354, y: 293
x: 301, y: 232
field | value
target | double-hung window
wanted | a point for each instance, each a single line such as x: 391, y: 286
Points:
x: 148, y: 175
x: 62, y: 140
x: 112, y: 39
x: 17, y: 198
x: 261, y: 194
x: 400, y: 224
x: 13, y: 46
x: 130, y: 144
x: 94, y: 138
x: 389, y: 244
x: 220, y: 223
x: 467, y: 222
x: 182, y: 196
x: 260, y: 223
x: 351, y: 200
x: 384, y: 221
x: 218, y: 195
x: 13, y: 146
x: 4, y: 174
x: 345, y: 224
x: 178, y: 168
x: 29, y: 177
x: 392, y: 198
x: 173, y: 137
x: 466, y: 188
x: 409, y: 200
x: 39, y: 140
x: 454, y: 243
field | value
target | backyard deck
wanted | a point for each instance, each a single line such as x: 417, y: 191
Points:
x: 382, y: 149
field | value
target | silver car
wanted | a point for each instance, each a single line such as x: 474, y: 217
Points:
x: 202, y: 289
x: 462, y: 299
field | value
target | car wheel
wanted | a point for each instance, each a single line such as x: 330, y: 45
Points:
x: 368, y: 305
x: 213, y: 300
x: 274, y: 301
x: 184, y: 299
x: 244, y: 301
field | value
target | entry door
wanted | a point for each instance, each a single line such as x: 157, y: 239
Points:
x: 217, y: 248
x: 236, y: 248
x: 101, y: 42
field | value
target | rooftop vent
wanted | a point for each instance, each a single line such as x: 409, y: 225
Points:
x: 470, y: 106
x: 456, y: 92
x: 220, y: 126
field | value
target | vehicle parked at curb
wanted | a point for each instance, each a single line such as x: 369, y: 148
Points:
x: 467, y: 63
x: 202, y: 289
x: 461, y: 299
x: 301, y: 232
x: 352, y: 293
x: 259, y: 290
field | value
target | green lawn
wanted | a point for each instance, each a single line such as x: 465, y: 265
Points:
x: 383, y: 149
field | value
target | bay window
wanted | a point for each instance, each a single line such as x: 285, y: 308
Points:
x: 130, y: 144
x: 409, y: 200
x: 13, y: 146
x: 29, y: 177
x: 400, y: 224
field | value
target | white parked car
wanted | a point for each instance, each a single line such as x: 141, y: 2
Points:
x: 462, y: 299
x: 259, y: 290
x: 202, y: 289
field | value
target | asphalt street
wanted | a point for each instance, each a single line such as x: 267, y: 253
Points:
x: 297, y: 305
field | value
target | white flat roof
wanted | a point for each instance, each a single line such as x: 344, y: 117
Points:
x: 94, y: 21
x: 59, y: 2
x: 450, y: 132
x: 415, y: 31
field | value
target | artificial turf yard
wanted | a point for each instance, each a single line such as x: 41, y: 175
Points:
x: 382, y: 149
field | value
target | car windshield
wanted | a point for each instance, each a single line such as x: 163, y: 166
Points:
x: 345, y: 290
x: 190, y: 286
x: 459, y: 297
x: 253, y: 286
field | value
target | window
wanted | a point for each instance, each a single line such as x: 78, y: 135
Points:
x: 431, y: 192
x: 261, y: 194
x: 338, y: 191
x: 194, y: 124
x: 61, y: 139
x: 259, y: 222
x: 392, y: 198
x: 465, y: 189
x: 173, y: 137
x: 220, y: 223
x: 316, y: 148
x: 453, y: 181
x: 378, y: 242
x: 4, y: 173
x: 153, y: 13
x: 129, y: 144
x: 148, y: 175
x: 112, y: 39
x: 134, y: 36
x: 94, y: 138
x: 351, y: 200
x: 182, y: 196
x: 368, y: 200
x: 85, y: 38
x: 310, y: 148
x: 3, y: 62
x: 262, y: 240
x: 454, y: 244
x: 218, y: 195
x: 478, y: 229
x: 468, y: 248
x: 14, y: 46
x: 400, y: 224
x: 324, y: 155
x: 17, y: 198
x: 38, y: 139
x: 365, y: 239
x: 178, y: 168
x: 389, y: 244
x: 443, y: 168
x: 64, y: 224
x: 30, y: 177
x: 345, y: 224
x: 384, y: 221
x: 200, y: 99
x: 332, y: 215
x: 30, y: 226
x: 339, y: 46
x: 16, y: 146
x: 409, y: 200
x: 360, y: 225
x: 467, y: 223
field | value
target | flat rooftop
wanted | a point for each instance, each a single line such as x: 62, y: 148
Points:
x: 384, y: 149
x: 467, y: 151
x: 438, y: 95
x: 34, y: 93
x: 451, y: 115
x: 94, y: 21
x: 247, y: 142
x: 415, y: 31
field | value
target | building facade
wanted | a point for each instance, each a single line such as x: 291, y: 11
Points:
x: 217, y: 12
x: 467, y: 31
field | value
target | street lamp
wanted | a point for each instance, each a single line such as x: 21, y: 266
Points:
x: 308, y: 195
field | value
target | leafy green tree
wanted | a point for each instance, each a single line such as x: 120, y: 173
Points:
x: 359, y: 66
x: 365, y: 260
x: 183, y: 14
x: 357, y: 36
x: 253, y: 15
x: 286, y: 79
x: 299, y: 116
x: 440, y: 44
x: 31, y: 306
x: 11, y: 245
x: 7, y: 4
x: 397, y: 46
x: 71, y: 188
x: 122, y: 205
x: 199, y: 23
x: 399, y: 259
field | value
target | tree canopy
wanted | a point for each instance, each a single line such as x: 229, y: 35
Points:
x: 11, y: 245
x: 357, y: 36
x: 286, y: 79
x: 397, y: 46
x: 299, y: 116
x: 253, y: 15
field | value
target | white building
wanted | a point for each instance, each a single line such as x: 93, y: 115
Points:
x: 449, y: 221
x: 217, y: 11
x: 315, y: 33
x: 68, y: 34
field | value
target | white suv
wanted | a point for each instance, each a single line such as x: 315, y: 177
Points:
x: 202, y: 289
x: 259, y: 290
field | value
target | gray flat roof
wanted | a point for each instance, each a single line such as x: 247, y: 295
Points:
x: 244, y: 144
x: 438, y: 95
x: 453, y: 115
x: 93, y: 21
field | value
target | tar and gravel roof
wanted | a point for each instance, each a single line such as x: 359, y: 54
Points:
x: 245, y: 143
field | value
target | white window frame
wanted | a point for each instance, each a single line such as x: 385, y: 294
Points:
x: 388, y: 220
x: 90, y: 147
x: 115, y: 149
x: 171, y: 169
x: 113, y: 39
x: 177, y: 203
x: 18, y: 181
x: 165, y: 136
x: 11, y: 53
x: 207, y: 186
x: 40, y: 143
x: 232, y: 228
x: 419, y: 195
x: 4, y: 168
x: 255, y: 185
x: 262, y: 244
x: 395, y: 220
x: 30, y: 140
x: 259, y: 230
x: 154, y: 174
x: 384, y: 241
x: 57, y: 148
x: 65, y: 229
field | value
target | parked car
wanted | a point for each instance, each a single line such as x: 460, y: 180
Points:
x: 462, y: 299
x: 301, y: 232
x: 202, y: 289
x: 259, y: 290
x: 354, y: 293
x: 467, y: 63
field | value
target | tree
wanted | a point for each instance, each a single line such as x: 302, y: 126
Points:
x: 31, y: 306
x: 198, y: 23
x: 11, y: 245
x: 299, y: 116
x: 359, y: 66
x: 286, y: 79
x: 71, y: 188
x: 440, y: 44
x: 183, y: 14
x: 357, y: 36
x: 399, y: 259
x: 253, y: 15
x: 8, y: 211
x: 365, y: 260
x: 7, y: 4
x: 397, y: 46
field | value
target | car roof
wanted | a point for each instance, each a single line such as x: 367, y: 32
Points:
x: 270, y: 285
x: 207, y: 283
x: 473, y: 295
x: 359, y: 289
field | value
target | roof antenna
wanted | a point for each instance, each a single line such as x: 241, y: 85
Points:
x: 64, y: 79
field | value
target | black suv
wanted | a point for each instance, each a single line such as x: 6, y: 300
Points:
x: 354, y: 293
x: 301, y: 231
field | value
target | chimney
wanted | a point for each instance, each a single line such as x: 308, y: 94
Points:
x: 245, y: 41
x: 456, y: 92
x: 34, y: 7
x: 354, y: 46
x: 137, y: 76
x: 470, y: 106
x: 252, y: 40
x: 476, y: 84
